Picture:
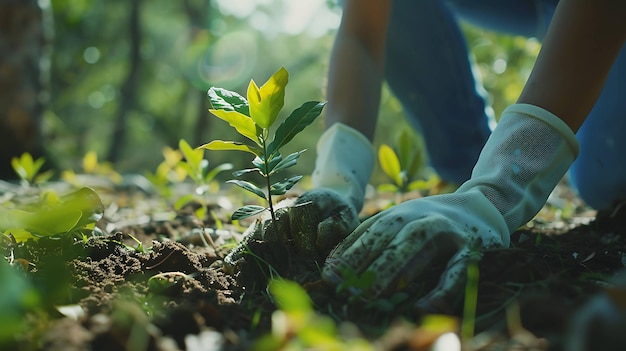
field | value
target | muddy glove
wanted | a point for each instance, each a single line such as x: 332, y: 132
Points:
x: 344, y: 163
x: 521, y: 163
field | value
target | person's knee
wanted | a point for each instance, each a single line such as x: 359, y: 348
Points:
x: 598, y: 182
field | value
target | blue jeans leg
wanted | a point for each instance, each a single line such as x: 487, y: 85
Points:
x: 599, y: 172
x: 429, y: 71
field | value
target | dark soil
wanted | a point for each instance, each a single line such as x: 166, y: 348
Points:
x: 174, y: 292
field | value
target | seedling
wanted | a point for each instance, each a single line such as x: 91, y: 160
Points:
x: 197, y: 168
x: 297, y: 326
x: 91, y: 166
x: 167, y: 172
x: 28, y: 169
x: 252, y: 118
x: 403, y: 167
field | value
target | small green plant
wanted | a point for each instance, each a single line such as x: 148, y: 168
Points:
x: 252, y: 118
x: 52, y: 215
x: 28, y: 169
x: 402, y: 167
x: 167, y: 172
x: 197, y: 168
x: 297, y: 326
x: 90, y: 165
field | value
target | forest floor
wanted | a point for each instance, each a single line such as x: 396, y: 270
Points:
x: 173, y: 293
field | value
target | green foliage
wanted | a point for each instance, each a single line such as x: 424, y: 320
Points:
x: 17, y: 296
x: 28, y: 169
x: 296, y: 325
x: 197, y: 168
x: 403, y: 167
x: 51, y: 215
x: 252, y: 118
x: 178, y: 165
x: 167, y: 172
x: 91, y: 166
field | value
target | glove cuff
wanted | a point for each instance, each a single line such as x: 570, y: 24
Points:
x: 525, y: 157
x: 548, y: 117
x: 344, y: 163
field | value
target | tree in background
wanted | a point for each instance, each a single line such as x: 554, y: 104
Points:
x: 25, y: 37
x: 129, y: 77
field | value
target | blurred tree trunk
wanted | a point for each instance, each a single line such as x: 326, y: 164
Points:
x: 198, y: 13
x: 129, y: 88
x: 26, y: 33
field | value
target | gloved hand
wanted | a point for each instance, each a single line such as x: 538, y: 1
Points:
x: 344, y: 163
x: 319, y: 219
x: 521, y: 163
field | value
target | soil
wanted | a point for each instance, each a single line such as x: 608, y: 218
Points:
x: 173, y: 293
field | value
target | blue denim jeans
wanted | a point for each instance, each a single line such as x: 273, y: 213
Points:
x: 429, y: 71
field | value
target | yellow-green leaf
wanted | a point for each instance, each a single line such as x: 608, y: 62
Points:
x: 242, y: 123
x: 231, y: 146
x: 90, y: 162
x: 389, y: 163
x: 267, y: 101
x: 290, y: 296
x: 193, y: 156
x: 405, y: 149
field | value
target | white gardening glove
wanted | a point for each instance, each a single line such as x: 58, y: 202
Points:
x: 521, y: 163
x: 343, y: 166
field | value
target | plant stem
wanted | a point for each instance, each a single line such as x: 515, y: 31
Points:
x: 471, y: 297
x: 269, y: 185
x: 269, y: 198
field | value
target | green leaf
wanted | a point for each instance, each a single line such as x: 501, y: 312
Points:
x: 189, y: 170
x: 222, y: 99
x: 241, y: 172
x: 410, y: 155
x: 265, y: 170
x: 405, y: 149
x: 249, y: 187
x: 44, y: 176
x: 19, y: 234
x: 231, y: 146
x: 201, y: 212
x: 193, y: 156
x: 413, y: 168
x: 242, y: 123
x: 281, y: 188
x: 215, y: 171
x: 387, y: 188
x: 266, y: 102
x: 389, y: 163
x: 247, y: 211
x: 290, y: 296
x: 183, y: 200
x: 53, y: 216
x: 299, y: 119
x: 18, y: 298
x: 289, y: 161
x: 25, y: 167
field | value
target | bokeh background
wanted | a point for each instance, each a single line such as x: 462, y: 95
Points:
x: 125, y: 78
